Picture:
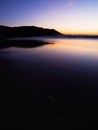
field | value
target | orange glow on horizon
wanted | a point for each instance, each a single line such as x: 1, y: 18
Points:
x: 80, y: 32
x: 75, y: 46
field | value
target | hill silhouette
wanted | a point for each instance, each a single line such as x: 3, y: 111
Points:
x: 29, y: 31
x: 25, y: 31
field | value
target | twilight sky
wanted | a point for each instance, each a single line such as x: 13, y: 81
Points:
x: 66, y: 16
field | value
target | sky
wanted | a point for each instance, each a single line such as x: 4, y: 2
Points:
x: 66, y: 16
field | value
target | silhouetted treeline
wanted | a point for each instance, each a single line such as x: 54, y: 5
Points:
x: 25, y: 31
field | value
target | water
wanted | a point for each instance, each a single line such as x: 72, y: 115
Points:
x: 65, y: 71
x: 65, y: 60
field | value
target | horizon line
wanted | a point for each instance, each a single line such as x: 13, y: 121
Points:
x: 63, y: 33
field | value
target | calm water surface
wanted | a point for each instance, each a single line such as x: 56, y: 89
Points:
x: 67, y: 64
x: 63, y: 75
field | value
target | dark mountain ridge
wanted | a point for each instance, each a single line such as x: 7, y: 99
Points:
x: 25, y: 31
x: 29, y: 31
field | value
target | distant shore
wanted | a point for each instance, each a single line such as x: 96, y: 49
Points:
x: 26, y: 31
x: 33, y: 31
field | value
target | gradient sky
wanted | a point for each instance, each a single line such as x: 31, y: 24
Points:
x: 66, y: 16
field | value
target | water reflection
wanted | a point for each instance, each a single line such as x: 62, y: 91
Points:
x: 61, y: 77
x: 75, y: 46
x: 22, y: 43
x: 68, y: 62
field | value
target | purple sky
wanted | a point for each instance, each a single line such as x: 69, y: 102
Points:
x: 66, y: 16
